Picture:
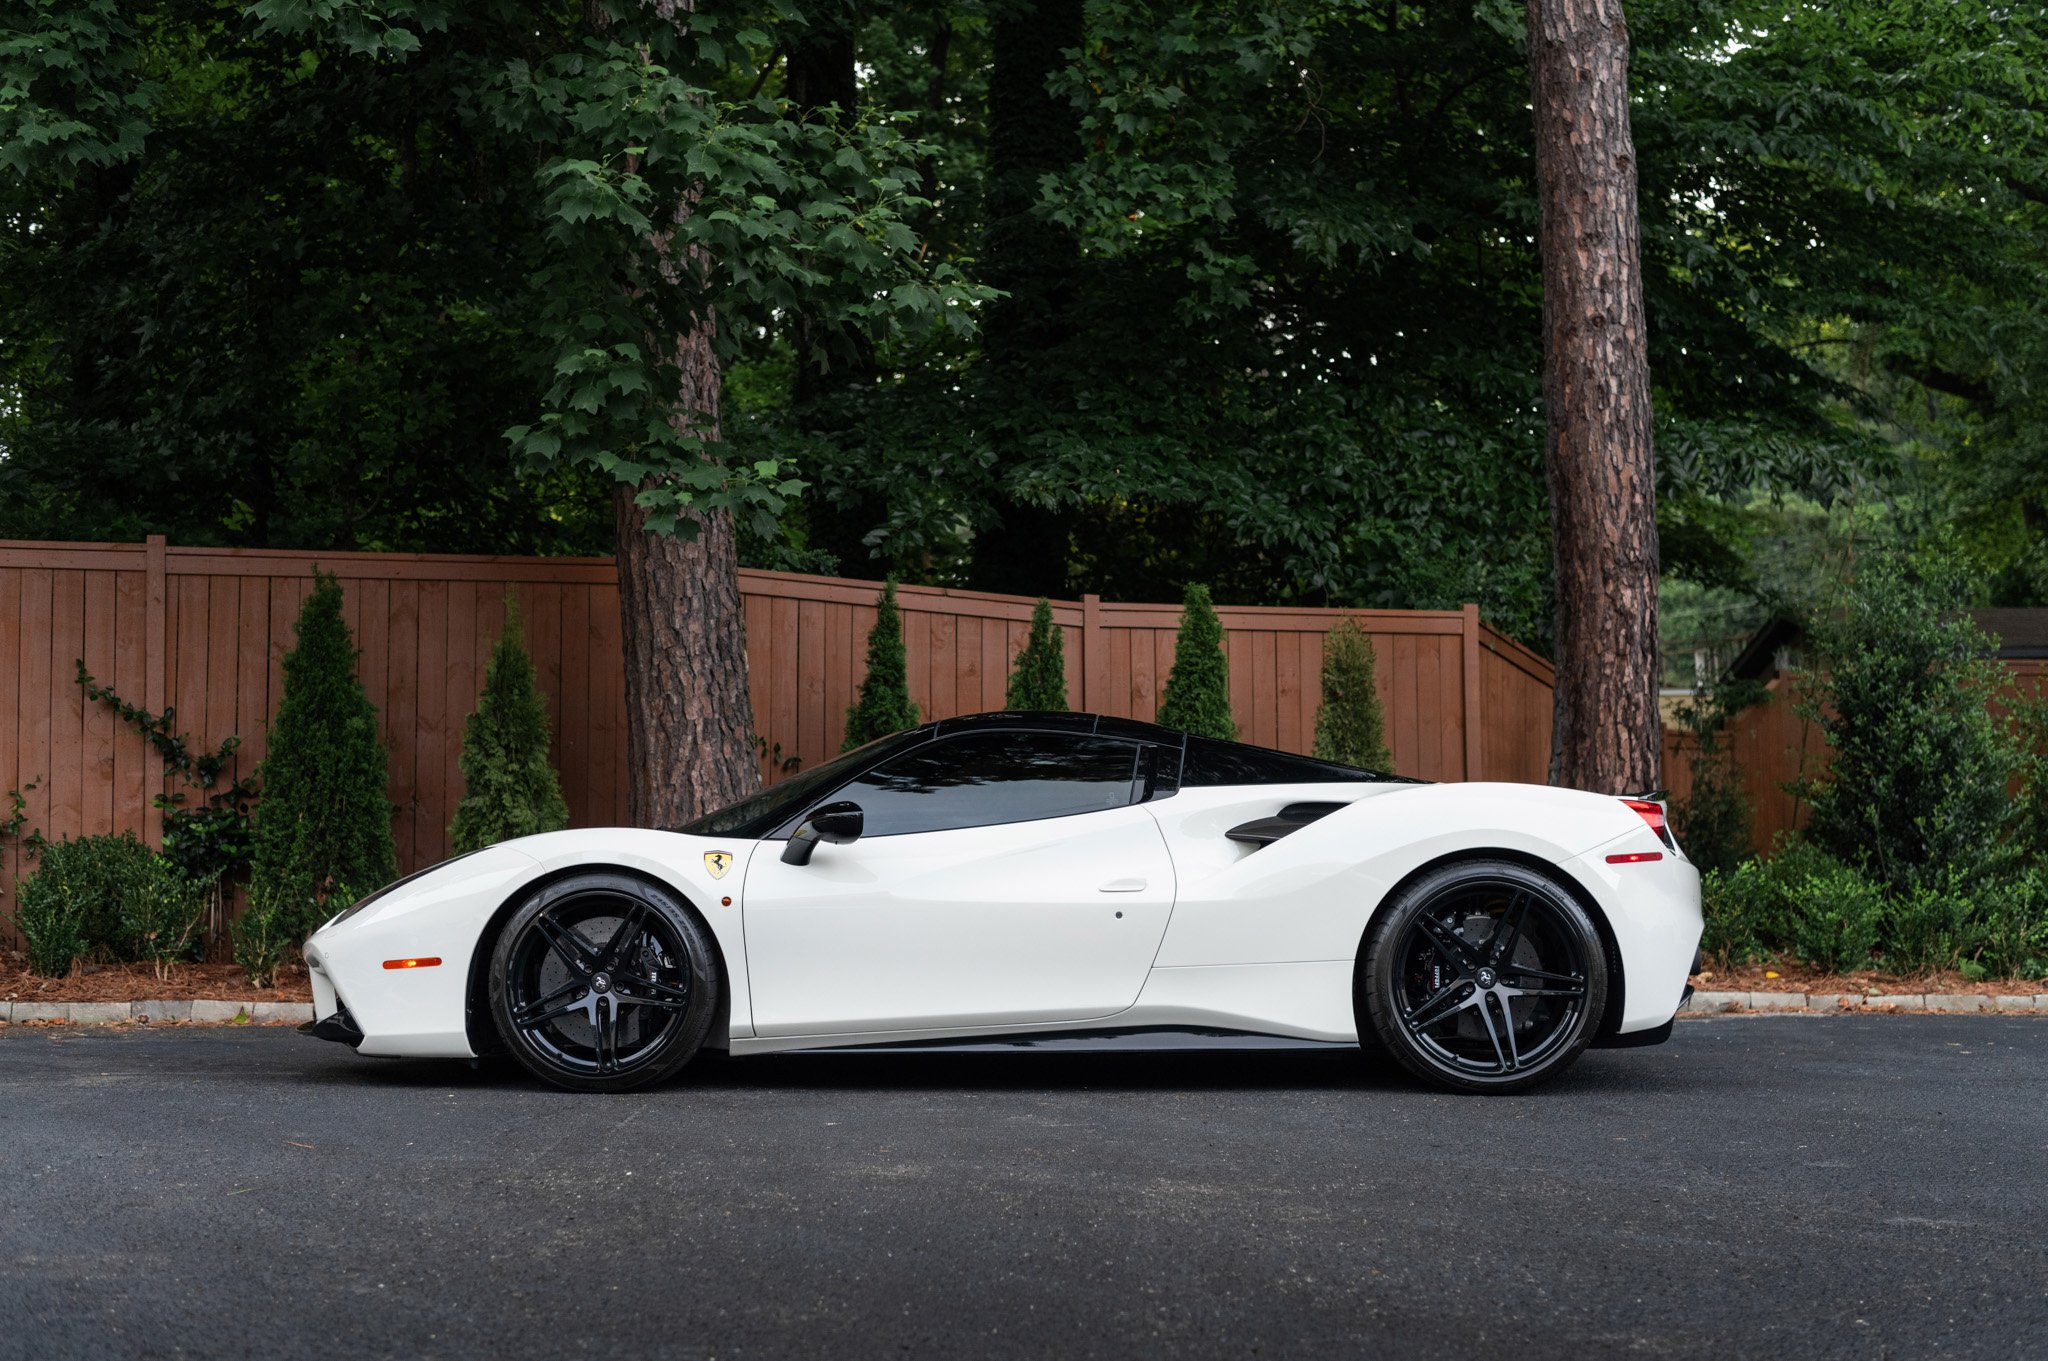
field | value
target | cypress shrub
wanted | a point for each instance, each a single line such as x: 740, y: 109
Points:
x: 509, y: 789
x: 1350, y: 726
x: 323, y: 827
x: 1039, y: 683
x: 884, y: 705
x: 1197, y: 698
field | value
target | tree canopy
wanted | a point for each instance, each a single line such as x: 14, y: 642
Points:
x: 1109, y: 296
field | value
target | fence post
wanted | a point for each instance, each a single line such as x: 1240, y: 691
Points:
x: 155, y: 669
x: 1470, y: 624
x: 1092, y: 660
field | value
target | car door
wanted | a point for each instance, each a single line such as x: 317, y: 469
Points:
x: 1002, y: 878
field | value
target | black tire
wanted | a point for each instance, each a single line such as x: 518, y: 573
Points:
x: 1483, y: 976
x: 602, y: 982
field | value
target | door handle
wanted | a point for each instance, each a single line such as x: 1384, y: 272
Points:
x: 1124, y: 886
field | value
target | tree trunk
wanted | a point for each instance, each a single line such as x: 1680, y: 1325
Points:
x: 689, y: 712
x: 1596, y: 394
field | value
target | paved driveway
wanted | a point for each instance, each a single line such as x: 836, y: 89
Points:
x: 1782, y: 1187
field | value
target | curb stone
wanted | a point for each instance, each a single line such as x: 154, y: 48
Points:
x: 163, y: 1010
x: 1941, y: 1003
x: 215, y: 1012
x: 272, y: 1013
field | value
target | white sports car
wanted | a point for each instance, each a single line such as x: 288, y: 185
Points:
x: 1034, y: 878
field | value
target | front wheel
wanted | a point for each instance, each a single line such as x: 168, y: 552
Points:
x: 602, y: 983
x: 1484, y: 976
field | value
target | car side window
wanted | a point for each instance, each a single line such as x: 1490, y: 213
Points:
x: 983, y: 779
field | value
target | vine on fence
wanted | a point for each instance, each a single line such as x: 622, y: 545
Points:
x: 208, y: 841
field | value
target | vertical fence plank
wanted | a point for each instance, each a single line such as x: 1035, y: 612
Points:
x: 401, y: 716
x: 13, y: 756
x: 96, y: 809
x: 66, y: 703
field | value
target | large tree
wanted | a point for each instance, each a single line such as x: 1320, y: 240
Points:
x: 1606, y: 734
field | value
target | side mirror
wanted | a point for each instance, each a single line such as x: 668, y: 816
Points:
x: 838, y: 823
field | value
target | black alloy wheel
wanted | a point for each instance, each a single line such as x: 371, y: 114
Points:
x: 1484, y: 976
x: 603, y: 982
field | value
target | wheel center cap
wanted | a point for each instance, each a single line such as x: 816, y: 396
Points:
x: 1487, y: 978
x: 600, y: 982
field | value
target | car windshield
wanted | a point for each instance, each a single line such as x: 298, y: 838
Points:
x: 759, y: 814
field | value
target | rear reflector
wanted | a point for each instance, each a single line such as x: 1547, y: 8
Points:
x: 1630, y: 858
x: 1652, y: 812
x: 427, y: 963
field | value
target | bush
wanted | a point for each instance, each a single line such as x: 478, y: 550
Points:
x: 52, y: 925
x: 2012, y: 927
x: 1197, y: 696
x: 509, y: 789
x: 1350, y: 726
x: 268, y: 932
x: 1039, y: 682
x: 1802, y: 903
x: 1832, y: 918
x: 1916, y: 792
x: 162, y: 913
x: 884, y: 705
x: 324, y: 825
x: 90, y: 877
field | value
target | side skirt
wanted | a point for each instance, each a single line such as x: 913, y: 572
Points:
x: 1111, y: 1040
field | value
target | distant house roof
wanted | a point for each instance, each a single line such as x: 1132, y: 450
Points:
x: 2020, y: 633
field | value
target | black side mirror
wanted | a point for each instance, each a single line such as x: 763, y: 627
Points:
x: 838, y: 823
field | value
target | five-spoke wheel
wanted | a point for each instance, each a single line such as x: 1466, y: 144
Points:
x: 603, y: 982
x: 1484, y: 976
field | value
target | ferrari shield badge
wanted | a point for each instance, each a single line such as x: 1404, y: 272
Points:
x: 716, y: 863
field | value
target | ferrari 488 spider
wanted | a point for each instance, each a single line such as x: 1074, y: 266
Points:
x: 1029, y: 879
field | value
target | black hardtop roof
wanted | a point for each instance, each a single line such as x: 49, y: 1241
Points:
x: 1054, y: 721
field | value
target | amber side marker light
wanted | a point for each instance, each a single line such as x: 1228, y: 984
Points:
x: 1631, y: 858
x: 429, y: 962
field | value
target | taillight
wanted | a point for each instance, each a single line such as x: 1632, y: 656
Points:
x: 1653, y: 813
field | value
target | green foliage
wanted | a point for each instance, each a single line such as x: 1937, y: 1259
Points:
x: 1712, y: 820
x: 884, y: 705
x: 1804, y: 904
x: 1916, y: 790
x: 209, y: 842
x: 111, y: 898
x: 1039, y: 681
x: 1197, y: 694
x: 323, y: 829
x: 69, y: 96
x: 53, y: 925
x: 162, y: 913
x: 2029, y: 717
x: 509, y: 789
x: 1350, y: 726
x: 269, y: 930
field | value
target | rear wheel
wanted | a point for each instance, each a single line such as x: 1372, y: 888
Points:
x: 602, y: 982
x: 1484, y: 976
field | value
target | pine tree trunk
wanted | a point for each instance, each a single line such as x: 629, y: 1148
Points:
x: 1596, y: 393
x: 689, y: 713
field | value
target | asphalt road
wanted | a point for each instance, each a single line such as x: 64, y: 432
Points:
x: 1770, y: 1187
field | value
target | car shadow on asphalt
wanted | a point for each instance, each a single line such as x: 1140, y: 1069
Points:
x: 928, y: 1071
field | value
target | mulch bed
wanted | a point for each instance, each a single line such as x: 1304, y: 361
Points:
x: 139, y: 983
x: 1804, y: 978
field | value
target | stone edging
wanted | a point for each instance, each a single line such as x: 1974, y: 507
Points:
x: 1950, y: 1003
x: 145, y: 1013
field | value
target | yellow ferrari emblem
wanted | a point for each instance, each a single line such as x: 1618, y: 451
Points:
x: 717, y: 863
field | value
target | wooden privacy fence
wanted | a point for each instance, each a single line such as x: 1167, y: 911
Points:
x: 1770, y: 746
x: 204, y: 631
